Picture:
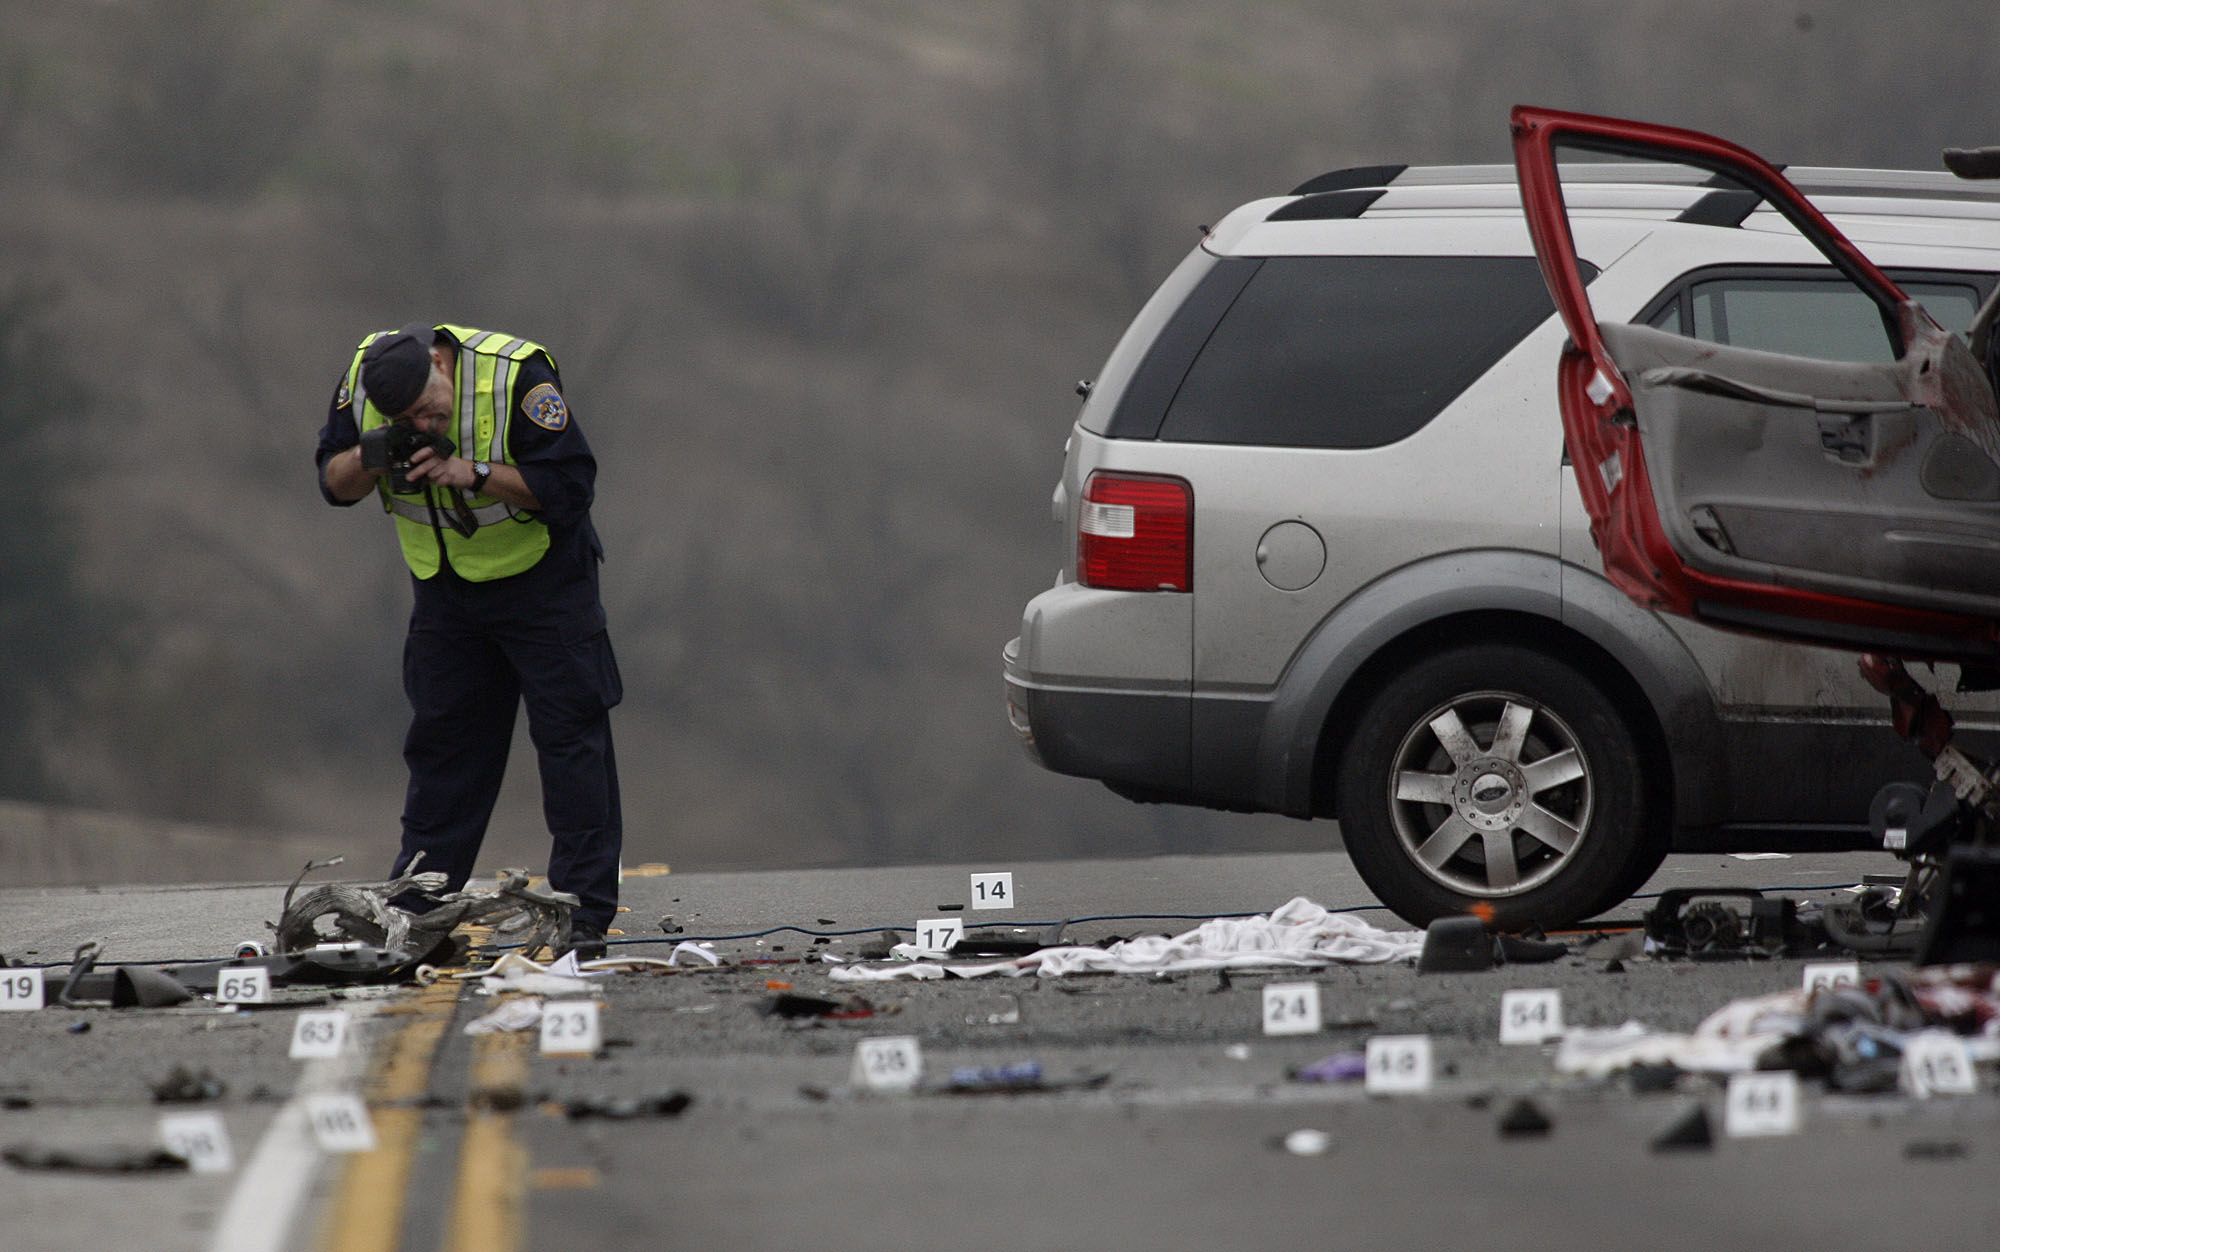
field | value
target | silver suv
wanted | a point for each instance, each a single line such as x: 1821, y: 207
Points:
x: 1323, y: 557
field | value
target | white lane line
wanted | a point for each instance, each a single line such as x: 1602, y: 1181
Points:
x: 268, y: 1197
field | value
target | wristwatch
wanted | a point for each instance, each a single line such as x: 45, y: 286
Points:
x: 481, y: 475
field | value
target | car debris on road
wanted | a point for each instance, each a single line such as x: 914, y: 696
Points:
x: 1853, y: 1037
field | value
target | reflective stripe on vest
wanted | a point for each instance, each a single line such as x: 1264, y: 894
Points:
x: 507, y: 542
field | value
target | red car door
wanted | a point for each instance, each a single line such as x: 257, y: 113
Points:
x: 1831, y: 502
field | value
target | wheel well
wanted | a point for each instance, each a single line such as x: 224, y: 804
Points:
x: 1490, y: 626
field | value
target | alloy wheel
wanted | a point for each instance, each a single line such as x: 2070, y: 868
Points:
x: 1490, y: 794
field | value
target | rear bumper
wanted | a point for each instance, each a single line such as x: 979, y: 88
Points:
x: 1126, y: 737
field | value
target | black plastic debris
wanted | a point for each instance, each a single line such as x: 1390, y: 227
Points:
x: 129, y: 986
x: 16, y: 1102
x: 999, y: 946
x: 879, y: 948
x: 622, y: 1110
x: 186, y: 1086
x: 79, y: 1028
x: 1523, y: 1119
x: 1689, y: 1133
x: 669, y: 925
x: 1647, y: 1079
x: 1465, y: 945
x: 794, y: 1005
x: 93, y: 1160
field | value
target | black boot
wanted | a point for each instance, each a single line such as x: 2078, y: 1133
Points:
x: 587, y: 940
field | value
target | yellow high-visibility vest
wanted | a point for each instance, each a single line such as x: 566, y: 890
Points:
x: 508, y: 541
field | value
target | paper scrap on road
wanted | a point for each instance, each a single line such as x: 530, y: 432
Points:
x: 512, y: 1015
x: 1299, y: 934
x: 514, y: 972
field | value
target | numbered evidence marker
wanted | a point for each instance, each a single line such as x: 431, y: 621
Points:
x: 938, y: 934
x: 1762, y: 1104
x: 887, y: 1063
x: 1829, y: 975
x: 1292, y: 1008
x: 318, y: 1035
x: 339, y: 1121
x: 1397, y: 1063
x: 200, y: 1138
x: 1937, y: 1062
x: 1531, y: 1016
x: 248, y: 985
x: 22, y: 990
x: 992, y: 891
x: 570, y: 1028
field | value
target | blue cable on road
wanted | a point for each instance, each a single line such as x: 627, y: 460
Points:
x: 874, y: 930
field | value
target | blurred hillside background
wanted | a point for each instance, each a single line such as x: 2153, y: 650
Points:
x: 819, y: 276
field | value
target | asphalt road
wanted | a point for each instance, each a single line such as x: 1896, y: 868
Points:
x: 1179, y: 1148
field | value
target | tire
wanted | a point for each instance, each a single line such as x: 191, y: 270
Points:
x: 1549, y: 761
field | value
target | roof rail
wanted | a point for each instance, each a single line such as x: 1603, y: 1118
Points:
x: 1349, y: 179
x: 1810, y: 179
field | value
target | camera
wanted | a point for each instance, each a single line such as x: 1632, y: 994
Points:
x: 389, y: 450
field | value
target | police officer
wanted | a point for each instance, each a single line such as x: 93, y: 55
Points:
x: 505, y: 607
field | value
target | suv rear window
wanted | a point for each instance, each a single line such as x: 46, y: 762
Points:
x: 1330, y: 351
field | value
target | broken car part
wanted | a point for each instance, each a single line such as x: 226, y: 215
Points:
x: 362, y: 930
x: 81, y: 986
x: 1726, y: 922
x: 1465, y: 945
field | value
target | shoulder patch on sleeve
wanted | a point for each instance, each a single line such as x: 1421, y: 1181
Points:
x: 341, y: 397
x: 544, y: 406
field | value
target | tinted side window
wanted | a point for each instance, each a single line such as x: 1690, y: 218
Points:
x: 1352, y: 352
x: 1801, y: 314
x: 1831, y: 321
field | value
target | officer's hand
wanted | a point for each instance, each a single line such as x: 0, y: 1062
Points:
x: 446, y: 471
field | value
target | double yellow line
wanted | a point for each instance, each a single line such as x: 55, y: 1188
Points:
x: 486, y: 1207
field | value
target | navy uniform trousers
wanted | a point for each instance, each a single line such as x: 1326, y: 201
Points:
x: 465, y: 680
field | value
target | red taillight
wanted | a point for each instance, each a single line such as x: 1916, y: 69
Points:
x: 1134, y: 533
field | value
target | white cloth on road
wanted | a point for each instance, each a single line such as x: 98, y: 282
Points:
x: 1727, y: 1041
x: 1298, y: 934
